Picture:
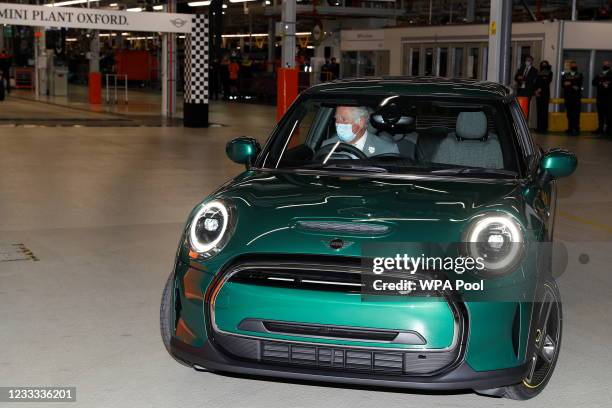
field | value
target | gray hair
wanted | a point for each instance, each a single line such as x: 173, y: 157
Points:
x: 359, y: 112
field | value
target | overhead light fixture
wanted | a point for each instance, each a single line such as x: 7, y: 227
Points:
x: 244, y: 35
x: 225, y: 6
x: 113, y: 5
x: 303, y: 33
x: 69, y: 3
x: 134, y: 9
x: 239, y: 1
x: 199, y: 3
x: 158, y: 7
x: 268, y: 2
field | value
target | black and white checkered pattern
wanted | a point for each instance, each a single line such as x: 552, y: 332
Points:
x: 196, y: 61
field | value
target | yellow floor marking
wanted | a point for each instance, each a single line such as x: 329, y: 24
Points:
x: 586, y: 221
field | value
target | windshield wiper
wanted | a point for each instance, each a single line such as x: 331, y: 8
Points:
x: 346, y: 167
x: 474, y: 170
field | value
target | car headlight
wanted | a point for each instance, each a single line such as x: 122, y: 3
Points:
x: 209, y: 229
x: 498, y: 240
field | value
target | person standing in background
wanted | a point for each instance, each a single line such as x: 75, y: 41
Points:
x: 326, y: 74
x: 572, y: 81
x: 334, y: 68
x: 224, y: 75
x: 5, y: 68
x: 603, y: 82
x: 1, y: 87
x: 525, y: 78
x: 234, y: 70
x: 542, y: 94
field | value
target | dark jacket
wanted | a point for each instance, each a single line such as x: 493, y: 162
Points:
x: 542, y: 84
x: 525, y: 80
x: 572, y: 84
x: 603, y: 82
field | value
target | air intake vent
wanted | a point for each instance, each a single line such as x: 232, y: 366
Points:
x: 361, y: 360
x: 344, y: 227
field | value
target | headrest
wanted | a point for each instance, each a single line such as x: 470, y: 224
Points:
x: 471, y: 126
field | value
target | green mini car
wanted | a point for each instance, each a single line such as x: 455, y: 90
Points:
x: 273, y: 271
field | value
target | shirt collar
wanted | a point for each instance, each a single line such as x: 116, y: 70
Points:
x: 361, y: 142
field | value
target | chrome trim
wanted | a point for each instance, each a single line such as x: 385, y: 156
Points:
x: 458, y: 325
x: 425, y: 177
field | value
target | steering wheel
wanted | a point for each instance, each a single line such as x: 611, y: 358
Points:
x: 344, y: 149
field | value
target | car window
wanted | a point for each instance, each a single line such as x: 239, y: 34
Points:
x: 397, y: 135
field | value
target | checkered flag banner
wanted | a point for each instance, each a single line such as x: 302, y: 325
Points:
x: 196, y: 61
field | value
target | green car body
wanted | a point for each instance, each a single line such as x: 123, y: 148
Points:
x: 220, y: 318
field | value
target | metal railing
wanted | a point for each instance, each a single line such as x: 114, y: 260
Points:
x: 112, y: 80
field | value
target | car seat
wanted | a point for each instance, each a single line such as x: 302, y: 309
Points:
x: 471, y: 144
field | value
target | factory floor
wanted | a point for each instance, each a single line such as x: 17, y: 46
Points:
x: 100, y: 210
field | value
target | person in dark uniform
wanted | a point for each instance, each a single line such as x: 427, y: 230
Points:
x: 1, y: 86
x: 603, y: 82
x: 542, y: 94
x: 572, y: 93
x: 5, y: 66
x: 525, y: 78
x: 334, y: 68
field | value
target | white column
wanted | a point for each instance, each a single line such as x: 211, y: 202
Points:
x: 168, y: 68
x: 42, y: 83
x: 500, y: 32
x: 288, y: 22
x: 94, y: 51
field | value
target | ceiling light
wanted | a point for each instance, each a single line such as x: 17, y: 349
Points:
x: 134, y: 9
x: 199, y: 3
x: 158, y: 7
x: 70, y: 3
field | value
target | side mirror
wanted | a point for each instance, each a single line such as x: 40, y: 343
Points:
x: 243, y: 150
x: 557, y: 163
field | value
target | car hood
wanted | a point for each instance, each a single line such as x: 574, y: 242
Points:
x: 272, y: 206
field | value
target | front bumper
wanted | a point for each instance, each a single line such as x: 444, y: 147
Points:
x: 462, y: 376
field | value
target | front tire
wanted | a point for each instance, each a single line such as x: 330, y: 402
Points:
x: 548, y: 342
x: 165, y: 318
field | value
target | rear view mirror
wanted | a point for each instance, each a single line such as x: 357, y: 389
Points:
x: 394, y: 119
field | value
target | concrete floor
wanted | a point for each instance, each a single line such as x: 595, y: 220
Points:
x: 102, y: 210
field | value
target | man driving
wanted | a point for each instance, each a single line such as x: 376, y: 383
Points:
x: 352, y: 129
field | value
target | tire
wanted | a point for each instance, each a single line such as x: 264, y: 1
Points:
x: 165, y: 318
x: 537, y: 380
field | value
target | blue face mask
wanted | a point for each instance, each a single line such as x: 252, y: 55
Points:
x: 345, y: 132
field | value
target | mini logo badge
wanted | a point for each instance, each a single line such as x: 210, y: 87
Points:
x: 337, y: 244
x: 178, y: 22
x: 371, y: 149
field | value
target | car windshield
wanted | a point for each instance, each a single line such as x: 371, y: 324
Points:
x: 396, y: 134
